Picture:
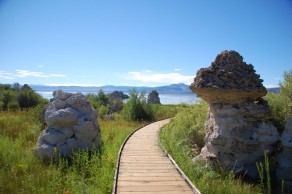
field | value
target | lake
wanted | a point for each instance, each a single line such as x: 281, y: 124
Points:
x: 165, y: 98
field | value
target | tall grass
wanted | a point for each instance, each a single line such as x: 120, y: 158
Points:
x: 179, y: 138
x: 90, y: 172
x: 264, y: 173
x: 167, y: 111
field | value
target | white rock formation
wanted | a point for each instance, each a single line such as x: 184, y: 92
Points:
x: 71, y: 125
x: 238, y: 128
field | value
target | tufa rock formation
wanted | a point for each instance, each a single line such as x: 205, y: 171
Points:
x: 118, y: 95
x: 237, y: 127
x: 228, y: 80
x: 284, y: 170
x: 71, y: 125
x: 153, y: 98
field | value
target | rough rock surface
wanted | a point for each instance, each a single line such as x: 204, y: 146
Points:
x: 284, y: 170
x: 153, y: 98
x: 117, y: 94
x: 228, y: 80
x: 237, y: 127
x: 71, y: 125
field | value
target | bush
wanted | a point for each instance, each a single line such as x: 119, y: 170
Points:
x: 116, y: 105
x: 102, y: 111
x: 7, y: 96
x: 13, y: 105
x: 137, y: 109
x: 281, y: 104
x: 28, y: 98
x: 12, y: 97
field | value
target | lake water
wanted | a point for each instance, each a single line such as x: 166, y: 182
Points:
x: 165, y: 98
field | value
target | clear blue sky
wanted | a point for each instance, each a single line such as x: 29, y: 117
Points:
x: 139, y: 42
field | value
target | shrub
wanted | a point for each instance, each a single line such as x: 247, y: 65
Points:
x: 13, y: 105
x: 116, y: 105
x: 137, y: 109
x: 102, y: 111
x: 281, y: 104
x: 7, y: 96
x: 28, y: 98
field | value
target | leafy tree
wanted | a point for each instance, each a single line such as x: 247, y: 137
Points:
x: 137, y: 109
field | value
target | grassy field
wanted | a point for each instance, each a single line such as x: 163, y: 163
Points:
x: 21, y: 172
x: 179, y: 138
x: 93, y: 172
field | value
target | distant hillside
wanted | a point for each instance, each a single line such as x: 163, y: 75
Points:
x: 173, y: 88
x: 274, y: 90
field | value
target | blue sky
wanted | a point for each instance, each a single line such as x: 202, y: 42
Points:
x: 135, y: 42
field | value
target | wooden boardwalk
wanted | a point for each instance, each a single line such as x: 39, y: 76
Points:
x: 145, y: 168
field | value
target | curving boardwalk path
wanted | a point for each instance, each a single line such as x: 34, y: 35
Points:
x: 145, y: 168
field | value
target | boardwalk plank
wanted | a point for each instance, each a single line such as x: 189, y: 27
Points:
x: 144, y: 167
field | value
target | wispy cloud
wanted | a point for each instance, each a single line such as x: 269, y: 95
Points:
x: 40, y: 66
x: 73, y: 84
x: 25, y: 73
x: 159, y: 78
x: 6, y: 75
x: 177, y: 69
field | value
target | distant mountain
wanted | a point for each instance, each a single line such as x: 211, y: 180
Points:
x: 274, y: 90
x: 173, y: 88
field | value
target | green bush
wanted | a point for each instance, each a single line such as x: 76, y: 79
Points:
x: 102, y: 111
x: 6, y: 97
x: 116, y: 105
x: 100, y: 102
x: 13, y: 105
x: 137, y: 109
x: 28, y: 98
x: 281, y: 103
x: 12, y: 97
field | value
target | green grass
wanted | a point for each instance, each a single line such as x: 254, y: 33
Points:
x: 179, y: 138
x: 161, y: 112
x: 21, y: 172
